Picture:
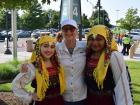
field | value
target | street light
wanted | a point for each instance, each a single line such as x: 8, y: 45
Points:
x: 8, y: 51
x: 98, y: 5
x: 117, y: 12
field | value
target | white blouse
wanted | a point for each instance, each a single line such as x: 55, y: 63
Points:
x: 122, y: 88
x: 20, y: 81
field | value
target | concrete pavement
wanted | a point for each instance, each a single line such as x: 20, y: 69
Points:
x: 136, y: 56
x: 21, y: 56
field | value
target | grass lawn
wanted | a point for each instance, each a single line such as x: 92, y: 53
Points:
x: 134, y: 68
x: 7, y: 87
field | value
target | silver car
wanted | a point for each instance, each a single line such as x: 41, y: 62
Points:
x: 135, y: 35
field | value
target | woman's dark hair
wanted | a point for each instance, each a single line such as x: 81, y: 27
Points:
x: 54, y: 61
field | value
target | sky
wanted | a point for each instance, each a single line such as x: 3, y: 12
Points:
x: 115, y: 8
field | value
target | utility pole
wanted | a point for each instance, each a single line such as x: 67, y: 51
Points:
x: 98, y: 5
x: 92, y: 8
x: 14, y: 26
x: 117, y: 13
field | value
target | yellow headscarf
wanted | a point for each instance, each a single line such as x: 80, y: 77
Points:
x: 100, y: 71
x: 42, y: 75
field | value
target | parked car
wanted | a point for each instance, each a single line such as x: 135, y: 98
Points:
x: 2, y: 37
x: 24, y: 34
x: 35, y: 34
x: 135, y: 35
x: 10, y: 35
x: 53, y: 31
x: 4, y: 34
x: 86, y: 30
x: 83, y: 34
x: 135, y: 30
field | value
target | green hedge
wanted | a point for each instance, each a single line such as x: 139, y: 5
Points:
x: 7, y: 87
x: 9, y: 70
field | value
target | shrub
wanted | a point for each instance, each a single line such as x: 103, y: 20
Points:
x: 15, y: 63
x: 9, y: 70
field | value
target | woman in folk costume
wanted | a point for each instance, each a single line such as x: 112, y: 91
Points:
x: 45, y: 73
x: 105, y: 71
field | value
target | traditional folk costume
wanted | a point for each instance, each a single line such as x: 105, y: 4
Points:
x: 106, y: 76
x: 48, y: 82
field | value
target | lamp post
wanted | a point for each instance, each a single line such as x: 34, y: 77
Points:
x: 8, y: 51
x: 93, y: 7
x: 117, y: 12
x: 98, y: 5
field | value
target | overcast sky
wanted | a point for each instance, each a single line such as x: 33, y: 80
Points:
x: 115, y: 8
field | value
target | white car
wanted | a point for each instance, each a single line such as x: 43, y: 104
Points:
x: 135, y: 35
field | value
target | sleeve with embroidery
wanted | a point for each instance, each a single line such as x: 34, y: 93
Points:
x: 20, y: 81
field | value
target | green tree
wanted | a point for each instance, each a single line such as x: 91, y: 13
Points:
x: 85, y: 21
x: 104, y: 18
x: 2, y: 19
x: 130, y: 21
x: 33, y: 17
x: 53, y: 18
x: 20, y: 4
x: 5, y: 18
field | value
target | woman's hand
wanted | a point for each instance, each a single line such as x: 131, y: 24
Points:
x: 24, y: 68
x: 35, y: 97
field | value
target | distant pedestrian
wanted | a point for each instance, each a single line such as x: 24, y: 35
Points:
x: 126, y: 45
x: 119, y: 39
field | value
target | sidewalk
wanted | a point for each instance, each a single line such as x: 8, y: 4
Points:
x: 136, y: 56
x: 22, y: 56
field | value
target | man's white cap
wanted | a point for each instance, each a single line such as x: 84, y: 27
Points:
x: 69, y: 22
